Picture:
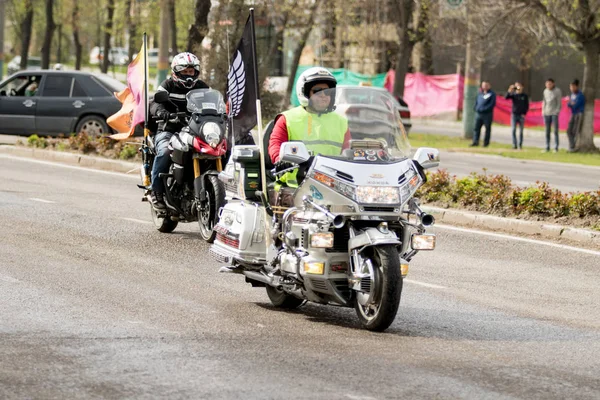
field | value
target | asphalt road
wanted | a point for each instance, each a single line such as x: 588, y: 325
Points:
x: 95, y: 303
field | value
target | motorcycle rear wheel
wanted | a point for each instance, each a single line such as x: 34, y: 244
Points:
x: 164, y: 225
x: 379, y: 315
x: 207, y: 219
x: 281, y: 299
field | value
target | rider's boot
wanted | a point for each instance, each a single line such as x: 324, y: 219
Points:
x: 157, y: 201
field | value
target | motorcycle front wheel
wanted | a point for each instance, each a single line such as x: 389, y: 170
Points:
x: 379, y: 314
x: 164, y: 225
x: 215, y: 199
x: 281, y: 299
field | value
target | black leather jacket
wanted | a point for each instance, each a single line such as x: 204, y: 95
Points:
x: 177, y: 96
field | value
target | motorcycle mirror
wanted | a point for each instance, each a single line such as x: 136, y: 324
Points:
x: 428, y: 157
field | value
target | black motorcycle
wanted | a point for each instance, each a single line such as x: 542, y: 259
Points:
x: 192, y: 190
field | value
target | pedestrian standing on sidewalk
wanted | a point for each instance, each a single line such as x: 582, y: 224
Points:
x: 576, y: 104
x: 484, y: 113
x: 550, y: 110
x: 520, y: 106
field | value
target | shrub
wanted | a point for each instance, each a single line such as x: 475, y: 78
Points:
x: 36, y: 141
x: 127, y: 152
x: 81, y: 142
x: 437, y: 186
x: 471, y: 190
x: 583, y: 204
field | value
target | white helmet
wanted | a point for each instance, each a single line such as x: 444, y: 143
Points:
x: 182, y: 61
x: 311, y: 77
x: 58, y: 67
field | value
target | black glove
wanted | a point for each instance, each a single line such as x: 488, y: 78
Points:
x: 162, y: 114
x: 281, y: 165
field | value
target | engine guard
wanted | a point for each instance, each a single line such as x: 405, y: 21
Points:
x: 372, y: 237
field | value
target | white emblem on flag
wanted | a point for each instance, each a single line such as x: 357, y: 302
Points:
x: 236, y: 85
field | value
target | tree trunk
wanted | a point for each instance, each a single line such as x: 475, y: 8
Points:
x: 300, y: 47
x: 585, y: 138
x: 107, y: 35
x: 50, y: 27
x: 131, y: 22
x: 173, y: 27
x: 401, y: 69
x: 199, y: 29
x: 26, y: 29
x: 59, y: 47
x: 76, y: 40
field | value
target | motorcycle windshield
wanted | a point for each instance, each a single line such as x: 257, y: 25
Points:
x: 203, y: 100
x: 373, y: 114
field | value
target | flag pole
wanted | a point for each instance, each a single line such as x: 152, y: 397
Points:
x: 145, y: 149
x: 263, y: 176
x: 228, y: 99
x: 263, y: 172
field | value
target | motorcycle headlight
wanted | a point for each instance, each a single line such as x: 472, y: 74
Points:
x: 212, y: 133
x: 377, y: 194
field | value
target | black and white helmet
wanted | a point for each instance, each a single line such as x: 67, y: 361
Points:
x: 310, y: 78
x: 181, y: 62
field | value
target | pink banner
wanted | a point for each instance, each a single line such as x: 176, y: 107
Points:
x: 429, y: 95
x: 535, y: 118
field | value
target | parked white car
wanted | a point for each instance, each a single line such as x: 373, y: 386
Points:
x: 118, y: 55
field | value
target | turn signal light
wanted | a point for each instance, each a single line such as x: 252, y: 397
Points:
x: 404, y: 269
x: 315, y: 268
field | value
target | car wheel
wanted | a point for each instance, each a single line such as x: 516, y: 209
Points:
x: 92, y: 125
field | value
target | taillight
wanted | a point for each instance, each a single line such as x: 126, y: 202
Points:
x: 405, y: 114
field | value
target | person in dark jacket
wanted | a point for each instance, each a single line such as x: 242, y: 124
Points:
x: 520, y: 106
x: 576, y: 104
x: 484, y: 113
x: 185, y: 72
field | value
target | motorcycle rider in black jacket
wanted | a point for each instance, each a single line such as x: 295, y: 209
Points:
x: 185, y: 71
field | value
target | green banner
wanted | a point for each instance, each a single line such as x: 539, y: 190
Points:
x: 343, y: 77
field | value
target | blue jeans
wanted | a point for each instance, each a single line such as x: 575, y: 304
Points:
x: 514, y: 120
x: 550, y: 120
x: 162, y: 160
x: 482, y: 119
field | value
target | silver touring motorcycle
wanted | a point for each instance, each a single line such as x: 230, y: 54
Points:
x: 346, y: 234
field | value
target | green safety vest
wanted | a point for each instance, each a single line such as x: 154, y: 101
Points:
x: 321, y: 133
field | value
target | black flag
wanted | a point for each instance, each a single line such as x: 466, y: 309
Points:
x: 241, y: 88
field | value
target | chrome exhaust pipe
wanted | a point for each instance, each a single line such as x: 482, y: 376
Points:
x: 338, y: 221
x: 427, y: 219
x: 259, y: 277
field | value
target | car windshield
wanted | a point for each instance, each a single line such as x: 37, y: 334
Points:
x: 372, y: 115
x: 112, y: 84
x: 201, y: 100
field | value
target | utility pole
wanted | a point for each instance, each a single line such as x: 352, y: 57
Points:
x: 472, y: 77
x: 2, y: 17
x: 163, y: 48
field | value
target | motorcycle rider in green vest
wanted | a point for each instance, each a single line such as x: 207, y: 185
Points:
x: 313, y: 122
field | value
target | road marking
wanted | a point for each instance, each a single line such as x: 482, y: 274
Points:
x: 41, y: 200
x: 359, y: 397
x: 9, y: 279
x: 429, y: 285
x: 520, y: 239
x: 139, y: 221
x: 54, y: 164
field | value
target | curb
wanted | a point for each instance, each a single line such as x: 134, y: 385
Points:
x: 515, y: 226
x: 71, y: 159
x: 448, y: 216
